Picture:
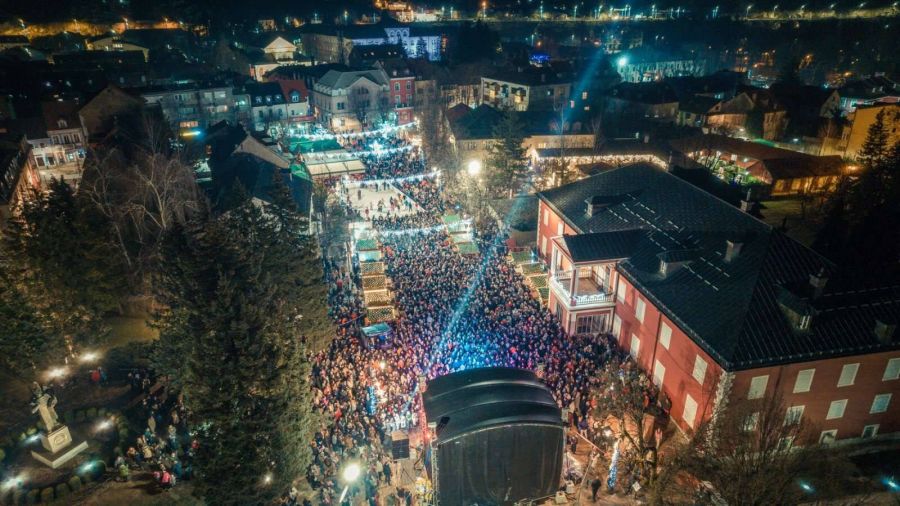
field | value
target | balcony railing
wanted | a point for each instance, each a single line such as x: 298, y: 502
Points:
x: 588, y: 291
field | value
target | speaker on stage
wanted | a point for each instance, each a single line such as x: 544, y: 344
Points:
x: 399, y: 445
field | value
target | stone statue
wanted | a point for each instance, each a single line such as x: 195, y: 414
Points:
x: 44, y: 403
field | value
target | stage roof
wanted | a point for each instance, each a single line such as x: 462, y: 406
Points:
x: 476, y: 399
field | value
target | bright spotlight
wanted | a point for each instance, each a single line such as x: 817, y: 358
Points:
x: 88, y: 357
x: 622, y: 61
x: 474, y: 167
x: 56, y: 372
x: 105, y: 424
x: 351, y: 472
x: 267, y: 478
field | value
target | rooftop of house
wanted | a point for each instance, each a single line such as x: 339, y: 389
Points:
x: 869, y: 87
x: 726, y: 297
x: 263, y: 90
x: 657, y: 92
x: 529, y: 75
x: 795, y: 97
x: 698, y: 104
x: 337, y: 80
x: 479, y: 123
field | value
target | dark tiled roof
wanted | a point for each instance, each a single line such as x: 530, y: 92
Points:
x: 602, y: 245
x: 729, y: 308
x: 658, y: 92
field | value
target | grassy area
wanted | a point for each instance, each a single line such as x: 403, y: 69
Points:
x: 790, y: 214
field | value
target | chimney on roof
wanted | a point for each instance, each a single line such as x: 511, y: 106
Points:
x: 672, y: 261
x: 817, y: 282
x: 884, y: 331
x: 733, y: 249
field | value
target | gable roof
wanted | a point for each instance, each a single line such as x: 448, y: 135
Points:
x: 335, y: 79
x: 602, y: 246
x: 730, y: 309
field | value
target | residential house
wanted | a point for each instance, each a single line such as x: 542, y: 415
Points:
x: 717, y: 307
x: 191, y: 109
x: 645, y: 64
x: 267, y: 104
x: 473, y: 130
x: 654, y: 100
x: 772, y: 171
x: 100, y: 115
x: 402, y: 90
x: 351, y: 100
x: 334, y: 44
x: 296, y: 99
x: 116, y: 43
x: 18, y: 175
x: 855, y: 132
x: 527, y: 88
x: 813, y: 112
x: 57, y: 141
x: 868, y: 91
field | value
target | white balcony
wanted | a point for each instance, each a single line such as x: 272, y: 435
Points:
x: 587, y: 290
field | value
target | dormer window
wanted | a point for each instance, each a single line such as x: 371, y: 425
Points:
x: 61, y: 123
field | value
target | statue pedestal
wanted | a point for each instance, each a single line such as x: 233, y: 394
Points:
x: 57, y: 445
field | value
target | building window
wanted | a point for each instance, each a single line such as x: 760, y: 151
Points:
x: 804, y: 381
x: 699, y: 369
x: 639, y: 308
x: 408, y: 85
x: 620, y: 291
x: 793, y: 415
x: 750, y: 422
x: 617, y: 326
x: 848, y: 375
x: 544, y: 246
x: 560, y: 228
x: 396, y: 86
x: 827, y: 436
x: 880, y: 403
x: 690, y: 410
x: 659, y: 373
x: 546, y: 217
x: 665, y: 335
x: 758, y: 387
x: 836, y: 409
x: 635, y: 346
x: 586, y: 324
x: 785, y: 443
x: 340, y: 106
x: 892, y: 371
x: 870, y: 431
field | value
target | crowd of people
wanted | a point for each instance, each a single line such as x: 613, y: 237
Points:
x: 456, y: 312
x: 387, y: 156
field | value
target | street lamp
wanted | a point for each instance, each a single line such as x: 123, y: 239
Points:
x: 748, y: 10
x: 474, y: 168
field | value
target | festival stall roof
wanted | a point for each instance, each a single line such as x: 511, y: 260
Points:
x: 320, y: 168
x: 468, y: 401
x: 522, y: 257
x: 379, y: 329
x: 467, y: 248
x: 450, y: 219
x: 379, y: 314
x: 366, y: 244
x: 304, y: 145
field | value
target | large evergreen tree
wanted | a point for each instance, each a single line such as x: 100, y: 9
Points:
x: 507, y: 167
x: 860, y: 230
x: 235, y: 287
x: 60, y: 264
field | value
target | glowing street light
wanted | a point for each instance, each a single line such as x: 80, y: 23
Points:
x: 474, y: 167
x: 56, y: 372
x: 267, y: 479
x: 622, y: 61
x: 88, y: 357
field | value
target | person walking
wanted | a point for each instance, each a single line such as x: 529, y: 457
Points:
x: 595, y: 487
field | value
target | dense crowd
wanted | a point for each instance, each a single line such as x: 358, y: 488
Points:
x: 456, y: 312
x: 388, y: 157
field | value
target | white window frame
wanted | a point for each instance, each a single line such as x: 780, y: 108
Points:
x: 886, y: 398
x: 617, y: 326
x: 892, y: 370
x: 804, y: 386
x: 665, y: 335
x: 560, y: 228
x: 621, y: 288
x: 546, y: 216
x: 659, y: 373
x: 689, y: 405
x: 544, y: 246
x: 874, y: 428
x: 757, y: 390
x: 831, y: 434
x: 794, y: 414
x: 640, y: 308
x: 836, y: 409
x: 848, y: 375
x: 634, y: 347
x: 700, y: 367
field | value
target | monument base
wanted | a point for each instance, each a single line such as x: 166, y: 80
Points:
x: 55, y: 460
x: 57, y: 439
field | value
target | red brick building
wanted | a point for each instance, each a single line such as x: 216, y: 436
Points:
x: 401, y: 98
x: 717, y: 306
